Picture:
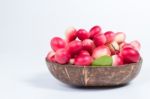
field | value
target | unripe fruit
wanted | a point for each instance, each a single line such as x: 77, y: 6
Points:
x: 95, y: 31
x: 136, y: 44
x: 101, y: 51
x: 117, y: 60
x: 119, y: 37
x: 83, y: 60
x: 62, y: 56
x: 57, y: 43
x: 82, y: 34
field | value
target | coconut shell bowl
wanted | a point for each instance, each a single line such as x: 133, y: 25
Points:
x: 85, y: 76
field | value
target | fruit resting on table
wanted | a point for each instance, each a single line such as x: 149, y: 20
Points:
x: 93, y: 48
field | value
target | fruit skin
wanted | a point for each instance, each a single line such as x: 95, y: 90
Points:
x: 62, y: 56
x: 83, y: 60
x: 127, y: 45
x: 88, y: 45
x: 84, y: 52
x: 114, y: 47
x: 51, y: 56
x: 95, y: 30
x: 119, y: 37
x: 70, y: 34
x: 103, y: 61
x: 117, y: 60
x: 109, y: 36
x: 99, y: 39
x: 130, y: 55
x: 101, y: 51
x: 82, y: 34
x: 71, y: 61
x: 74, y: 47
x: 57, y: 43
x: 136, y: 44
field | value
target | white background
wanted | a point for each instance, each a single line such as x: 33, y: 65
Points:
x: 26, y: 27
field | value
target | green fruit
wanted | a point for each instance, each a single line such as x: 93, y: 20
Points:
x: 103, y: 61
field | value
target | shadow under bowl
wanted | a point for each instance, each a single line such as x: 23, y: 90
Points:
x: 94, y: 76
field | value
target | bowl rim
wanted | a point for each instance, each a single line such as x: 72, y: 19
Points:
x: 79, y: 66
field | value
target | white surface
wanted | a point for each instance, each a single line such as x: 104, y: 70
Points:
x: 26, y: 26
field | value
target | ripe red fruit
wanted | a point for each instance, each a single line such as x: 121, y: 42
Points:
x: 57, y: 43
x: 70, y: 34
x: 88, y: 45
x: 127, y: 45
x: 117, y: 60
x: 51, y: 56
x: 119, y: 37
x: 130, y: 55
x: 62, y: 56
x: 99, y: 39
x: 82, y: 34
x: 83, y: 60
x: 74, y: 47
x: 84, y: 52
x: 109, y: 36
x: 136, y: 44
x: 101, y: 51
x: 95, y: 31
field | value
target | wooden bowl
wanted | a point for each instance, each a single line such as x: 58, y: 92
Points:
x: 94, y: 76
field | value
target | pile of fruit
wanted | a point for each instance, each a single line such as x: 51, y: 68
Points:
x: 93, y: 48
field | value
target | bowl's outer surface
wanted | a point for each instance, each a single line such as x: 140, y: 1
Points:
x: 94, y: 76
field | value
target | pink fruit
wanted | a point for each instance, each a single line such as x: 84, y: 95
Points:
x: 94, y: 31
x: 117, y: 60
x: 99, y: 39
x: 70, y: 34
x: 83, y: 60
x: 127, y: 45
x: 74, y: 47
x: 122, y: 44
x: 136, y: 44
x: 84, y: 52
x: 57, y: 43
x: 119, y: 37
x: 51, y: 56
x: 71, y: 61
x: 82, y: 34
x: 130, y: 55
x: 101, y: 51
x: 109, y: 36
x: 62, y: 56
x: 114, y: 47
x: 88, y: 45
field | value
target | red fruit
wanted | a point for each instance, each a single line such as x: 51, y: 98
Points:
x: 109, y: 36
x: 62, y: 56
x: 57, y: 43
x: 70, y: 34
x: 99, y: 39
x: 117, y: 60
x: 83, y: 60
x: 120, y: 37
x: 136, y: 44
x: 74, y: 47
x: 95, y: 31
x: 101, y: 51
x: 82, y: 34
x: 130, y: 55
x: 88, y: 45
x: 84, y: 52
x: 122, y: 44
x: 51, y: 56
